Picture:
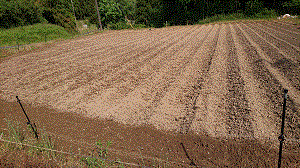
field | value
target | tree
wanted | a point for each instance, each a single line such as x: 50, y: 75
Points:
x: 293, y: 6
x: 18, y: 13
x: 59, y: 12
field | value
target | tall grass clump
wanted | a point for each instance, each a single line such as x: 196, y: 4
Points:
x: 223, y: 17
x: 101, y: 151
x: 22, y: 145
x: 32, y: 34
x: 263, y: 14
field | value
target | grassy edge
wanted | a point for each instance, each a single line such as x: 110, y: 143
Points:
x: 11, y: 154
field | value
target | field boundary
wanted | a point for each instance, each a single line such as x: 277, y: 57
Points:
x: 85, y: 156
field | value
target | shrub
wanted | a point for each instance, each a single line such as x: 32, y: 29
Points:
x: 253, y: 7
x: 293, y: 7
x: 59, y: 13
x: 18, y: 13
x: 119, y: 25
x: 222, y: 17
x: 266, y: 13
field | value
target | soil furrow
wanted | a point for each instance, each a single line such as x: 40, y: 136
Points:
x: 59, y: 78
x: 275, y: 59
x: 283, y: 28
x: 290, y: 26
x: 239, y: 119
x: 160, y: 104
x: 283, y: 47
x: 62, y: 62
x: 72, y: 46
x: 272, y: 81
x: 215, y: 55
x: 279, y: 34
x: 261, y: 102
x: 132, y: 69
x: 123, y: 59
x: 150, y: 91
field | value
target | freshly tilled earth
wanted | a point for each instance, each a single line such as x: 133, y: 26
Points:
x: 219, y: 80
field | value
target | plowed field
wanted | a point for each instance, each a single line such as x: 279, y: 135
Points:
x: 220, y: 80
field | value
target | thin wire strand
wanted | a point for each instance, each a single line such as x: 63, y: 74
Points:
x: 133, y: 155
x: 74, y: 154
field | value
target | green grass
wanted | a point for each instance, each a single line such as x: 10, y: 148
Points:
x: 37, y: 155
x: 32, y: 34
x: 264, y: 14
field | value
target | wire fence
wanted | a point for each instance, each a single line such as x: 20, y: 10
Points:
x: 134, y: 155
x: 9, y: 47
x: 92, y: 146
x: 73, y: 154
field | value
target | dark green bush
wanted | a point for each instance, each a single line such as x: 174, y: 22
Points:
x: 19, y: 13
x: 292, y: 7
x: 253, y: 7
x: 222, y: 17
x: 266, y: 13
x: 119, y: 25
x: 59, y: 12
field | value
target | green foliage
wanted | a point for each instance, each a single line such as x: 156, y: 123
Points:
x: 152, y: 13
x: 266, y: 13
x: 15, y: 134
x: 148, y: 12
x: 32, y: 34
x: 223, y: 17
x: 119, y: 25
x: 253, y: 7
x: 109, y: 13
x: 102, y: 152
x: 19, y: 12
x: 293, y: 6
x: 139, y: 26
x: 59, y: 12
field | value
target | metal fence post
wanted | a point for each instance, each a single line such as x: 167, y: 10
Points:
x: 33, y: 127
x: 281, y: 137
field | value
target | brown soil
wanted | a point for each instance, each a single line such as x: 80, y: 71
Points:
x: 208, y: 95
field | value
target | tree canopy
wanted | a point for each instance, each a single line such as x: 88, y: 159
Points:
x: 15, y: 13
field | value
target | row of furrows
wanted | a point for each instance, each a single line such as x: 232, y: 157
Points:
x: 190, y: 52
x: 279, y: 31
x: 278, y: 59
x: 282, y: 44
x: 80, y: 57
x: 65, y: 53
x: 276, y: 32
x: 122, y: 74
x: 193, y: 93
x: 33, y: 69
x: 237, y: 109
x: 117, y: 47
x: 126, y: 71
x: 289, y: 26
x: 239, y: 114
x: 120, y: 59
x: 271, y: 86
x: 74, y: 48
x: 86, y: 42
x: 61, y: 72
x: 163, y: 72
x: 284, y: 27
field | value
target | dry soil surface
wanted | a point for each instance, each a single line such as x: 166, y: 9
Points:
x: 203, y: 95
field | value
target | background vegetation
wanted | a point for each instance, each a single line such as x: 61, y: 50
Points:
x: 32, y: 33
x: 118, y: 13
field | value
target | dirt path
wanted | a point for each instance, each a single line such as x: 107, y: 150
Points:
x: 164, y: 90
